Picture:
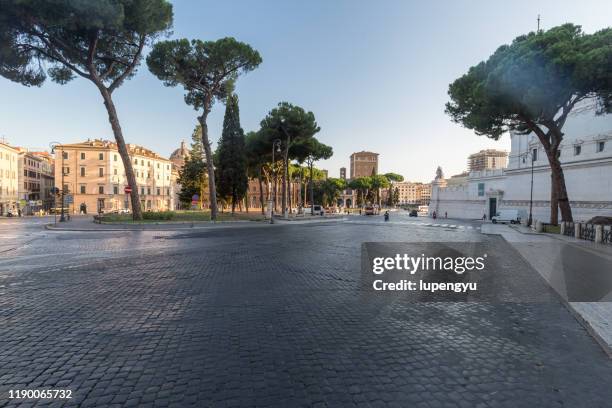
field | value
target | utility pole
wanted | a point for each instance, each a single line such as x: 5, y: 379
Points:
x: 538, y: 23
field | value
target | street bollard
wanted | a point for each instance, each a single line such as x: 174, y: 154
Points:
x: 577, y: 227
x: 599, y: 234
x: 562, y: 231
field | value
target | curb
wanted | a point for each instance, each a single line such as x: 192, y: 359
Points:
x: 156, y: 227
x: 592, y: 331
x: 314, y: 221
x: 603, y: 343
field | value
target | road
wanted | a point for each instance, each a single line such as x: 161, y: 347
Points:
x: 275, y: 316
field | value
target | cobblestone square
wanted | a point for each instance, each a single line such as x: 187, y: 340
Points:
x: 273, y: 316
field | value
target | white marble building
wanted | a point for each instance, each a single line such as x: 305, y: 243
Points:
x: 586, y: 157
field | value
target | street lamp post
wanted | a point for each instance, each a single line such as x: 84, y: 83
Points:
x: 530, y: 219
x: 54, y: 146
x: 275, y: 145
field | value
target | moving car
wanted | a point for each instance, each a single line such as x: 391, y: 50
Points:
x: 369, y: 210
x: 414, y: 213
x: 511, y: 216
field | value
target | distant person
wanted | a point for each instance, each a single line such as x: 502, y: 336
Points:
x: 434, y: 215
x: 445, y: 214
x: 484, y: 217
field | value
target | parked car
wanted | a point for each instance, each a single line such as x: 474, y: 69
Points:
x: 511, y: 216
x: 414, y: 213
x: 369, y: 210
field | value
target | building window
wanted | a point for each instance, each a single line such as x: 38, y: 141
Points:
x: 82, y: 171
x: 83, y: 189
x: 577, y: 150
x: 534, y: 155
x: 481, y: 189
x: 149, y: 190
x: 115, y: 172
x: 142, y: 191
x: 101, y: 171
x: 115, y: 157
x: 158, y: 191
x: 65, y: 155
x: 115, y: 189
x: 101, y: 156
x: 82, y: 156
x: 66, y: 170
x: 101, y: 189
x: 600, y: 146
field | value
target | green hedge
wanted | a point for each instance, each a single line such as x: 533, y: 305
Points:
x: 158, y: 215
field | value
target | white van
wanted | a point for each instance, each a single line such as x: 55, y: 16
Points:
x: 318, y: 210
x: 511, y: 216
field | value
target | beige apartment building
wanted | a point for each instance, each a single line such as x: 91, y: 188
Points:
x: 47, y: 178
x: 9, y: 179
x: 488, y: 159
x: 36, y: 179
x: 363, y: 164
x: 93, y: 174
x: 412, y: 193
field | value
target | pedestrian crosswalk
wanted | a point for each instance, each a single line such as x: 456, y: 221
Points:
x: 431, y: 224
x: 445, y: 225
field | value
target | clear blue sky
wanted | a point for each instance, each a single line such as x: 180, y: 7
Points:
x: 374, y: 73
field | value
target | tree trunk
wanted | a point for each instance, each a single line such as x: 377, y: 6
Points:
x: 289, y: 195
x: 212, y: 188
x: 558, y: 192
x: 261, y: 195
x: 274, y: 192
x: 123, y: 151
x: 305, y: 202
x: 311, y: 188
x: 284, y: 185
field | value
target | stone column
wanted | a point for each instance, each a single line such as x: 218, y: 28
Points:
x: 577, y: 227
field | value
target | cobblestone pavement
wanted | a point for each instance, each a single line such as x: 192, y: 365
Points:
x: 273, y: 316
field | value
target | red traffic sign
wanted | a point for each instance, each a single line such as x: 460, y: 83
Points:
x: 127, y: 189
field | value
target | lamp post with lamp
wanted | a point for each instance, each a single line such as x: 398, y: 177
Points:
x: 532, y: 157
x: 54, y: 147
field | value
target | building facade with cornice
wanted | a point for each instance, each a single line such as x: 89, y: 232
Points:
x: 9, y: 179
x: 586, y: 159
x: 94, y: 175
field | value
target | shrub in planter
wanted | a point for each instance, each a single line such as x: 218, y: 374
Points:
x: 158, y: 215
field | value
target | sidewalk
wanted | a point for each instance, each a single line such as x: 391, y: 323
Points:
x: 579, y: 271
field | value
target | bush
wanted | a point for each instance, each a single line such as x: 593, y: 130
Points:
x: 158, y: 215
